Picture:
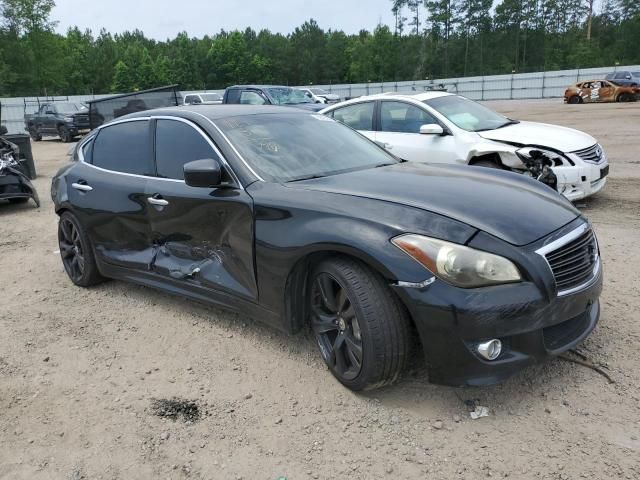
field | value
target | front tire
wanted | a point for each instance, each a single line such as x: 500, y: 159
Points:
x: 35, y: 135
x: 575, y: 100
x: 361, y: 328
x: 76, y: 252
x: 65, y: 134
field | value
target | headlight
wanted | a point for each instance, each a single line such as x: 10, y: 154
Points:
x: 68, y: 119
x: 456, y: 264
x: 555, y: 159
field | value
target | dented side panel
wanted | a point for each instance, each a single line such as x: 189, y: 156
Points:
x: 204, y: 237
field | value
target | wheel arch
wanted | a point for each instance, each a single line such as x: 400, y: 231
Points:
x: 297, y: 283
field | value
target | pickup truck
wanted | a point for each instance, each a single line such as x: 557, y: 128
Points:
x: 270, y: 95
x: 66, y: 120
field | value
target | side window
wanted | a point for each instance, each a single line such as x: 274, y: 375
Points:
x: 124, y: 147
x: 621, y: 75
x: 87, y: 151
x: 176, y: 144
x: 358, y: 116
x: 188, y: 99
x: 403, y: 117
x: 248, y: 97
x: 232, y: 95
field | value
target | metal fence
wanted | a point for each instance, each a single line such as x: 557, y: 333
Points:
x: 535, y: 85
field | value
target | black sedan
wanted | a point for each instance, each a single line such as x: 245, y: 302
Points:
x: 298, y: 221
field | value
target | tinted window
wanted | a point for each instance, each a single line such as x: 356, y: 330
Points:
x: 176, y: 144
x: 87, y: 151
x: 621, y: 75
x: 124, y: 147
x: 251, y: 98
x: 232, y: 95
x: 403, y: 117
x: 358, y: 116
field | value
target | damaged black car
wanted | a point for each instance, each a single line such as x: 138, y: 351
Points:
x: 249, y: 207
x: 15, y: 185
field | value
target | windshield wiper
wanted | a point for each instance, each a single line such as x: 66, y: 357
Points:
x: 308, y: 177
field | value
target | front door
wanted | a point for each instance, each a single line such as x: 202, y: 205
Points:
x: 202, y: 236
x: 399, y: 133
x: 114, y: 173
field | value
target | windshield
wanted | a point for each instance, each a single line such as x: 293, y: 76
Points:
x: 467, y: 114
x: 289, y: 147
x: 319, y: 91
x: 287, y: 96
x: 210, y: 97
x: 70, y: 108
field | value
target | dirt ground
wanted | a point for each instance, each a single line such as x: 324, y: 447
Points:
x: 82, y: 371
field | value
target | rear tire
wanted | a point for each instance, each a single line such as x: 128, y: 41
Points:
x: 76, y: 252
x: 35, y: 135
x: 574, y: 100
x: 361, y: 327
x: 625, y: 97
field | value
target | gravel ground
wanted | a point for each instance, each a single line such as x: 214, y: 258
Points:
x: 124, y: 382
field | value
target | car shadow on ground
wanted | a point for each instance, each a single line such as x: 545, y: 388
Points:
x: 412, y: 392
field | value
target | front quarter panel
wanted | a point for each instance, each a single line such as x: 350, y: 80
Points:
x: 292, y: 224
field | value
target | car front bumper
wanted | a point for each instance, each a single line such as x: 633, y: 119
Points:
x: 451, y: 323
x: 581, y: 181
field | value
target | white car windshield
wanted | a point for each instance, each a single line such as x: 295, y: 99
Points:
x: 467, y: 114
x: 290, y: 147
x: 288, y: 96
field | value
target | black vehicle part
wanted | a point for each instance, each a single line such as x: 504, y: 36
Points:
x: 15, y: 186
x: 539, y: 165
x: 76, y: 252
x: 361, y: 327
x: 25, y: 155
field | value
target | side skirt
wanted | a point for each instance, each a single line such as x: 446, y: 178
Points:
x: 194, y: 292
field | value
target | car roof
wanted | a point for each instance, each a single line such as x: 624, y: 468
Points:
x: 216, y: 112
x: 415, y: 96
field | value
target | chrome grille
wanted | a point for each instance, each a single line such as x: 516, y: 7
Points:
x: 573, y: 260
x: 593, y: 154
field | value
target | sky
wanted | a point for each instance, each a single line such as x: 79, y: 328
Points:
x: 162, y: 19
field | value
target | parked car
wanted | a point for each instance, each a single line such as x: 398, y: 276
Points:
x: 600, y: 91
x: 625, y: 78
x: 440, y: 127
x: 269, y: 95
x: 202, y: 99
x: 66, y: 120
x: 492, y: 270
x: 15, y: 185
x: 318, y: 95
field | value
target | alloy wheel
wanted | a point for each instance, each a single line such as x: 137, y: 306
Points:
x: 335, y: 324
x: 71, y: 249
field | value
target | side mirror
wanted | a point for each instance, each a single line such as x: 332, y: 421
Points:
x: 431, y: 129
x: 203, y: 173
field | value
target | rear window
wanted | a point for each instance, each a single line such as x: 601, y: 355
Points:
x: 124, y: 147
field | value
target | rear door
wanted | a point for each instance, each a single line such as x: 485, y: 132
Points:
x: 108, y: 193
x: 399, y: 132
x: 203, y: 236
x: 359, y: 116
x: 607, y: 91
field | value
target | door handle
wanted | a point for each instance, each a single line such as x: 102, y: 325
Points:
x: 161, y: 202
x: 83, y: 187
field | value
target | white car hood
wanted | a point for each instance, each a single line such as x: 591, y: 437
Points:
x: 541, y: 134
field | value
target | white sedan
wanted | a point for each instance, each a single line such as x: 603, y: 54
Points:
x: 439, y: 127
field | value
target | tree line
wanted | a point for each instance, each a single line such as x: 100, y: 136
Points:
x: 429, y: 39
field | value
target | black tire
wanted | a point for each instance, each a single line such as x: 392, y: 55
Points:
x: 65, y: 134
x: 625, y: 97
x: 574, y: 100
x: 18, y: 200
x: 350, y: 306
x: 76, y: 252
x: 35, y: 135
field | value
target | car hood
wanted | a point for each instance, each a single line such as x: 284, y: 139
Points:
x: 314, y: 107
x: 506, y: 205
x: 543, y: 135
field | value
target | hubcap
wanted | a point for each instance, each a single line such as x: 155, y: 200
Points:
x: 71, y: 249
x: 335, y: 324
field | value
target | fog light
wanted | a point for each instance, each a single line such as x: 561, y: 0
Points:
x: 491, y: 349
